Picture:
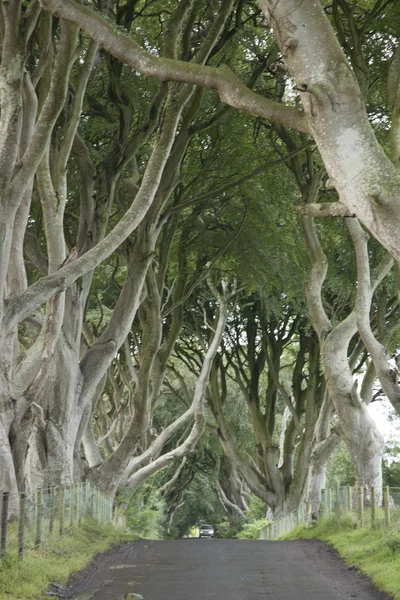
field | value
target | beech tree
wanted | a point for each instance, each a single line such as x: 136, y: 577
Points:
x: 366, y: 179
x: 46, y: 398
x: 336, y: 332
x: 366, y: 449
x: 101, y: 106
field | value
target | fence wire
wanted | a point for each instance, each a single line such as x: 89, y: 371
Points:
x: 369, y: 507
x: 27, y: 520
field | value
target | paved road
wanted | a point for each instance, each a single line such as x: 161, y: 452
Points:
x: 221, y: 570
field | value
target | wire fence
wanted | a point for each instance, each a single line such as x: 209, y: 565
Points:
x: 369, y: 508
x: 27, y: 520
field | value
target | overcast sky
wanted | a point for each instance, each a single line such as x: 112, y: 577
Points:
x: 381, y: 412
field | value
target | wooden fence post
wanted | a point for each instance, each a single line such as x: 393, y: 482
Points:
x: 79, y: 508
x: 308, y: 512
x: 38, y: 536
x: 4, y: 522
x: 61, y: 494
x: 21, y: 524
x: 97, y: 504
x: 386, y: 505
x: 337, y: 497
x: 71, y: 504
x: 361, y: 495
x: 51, y: 506
x: 84, y: 512
x: 373, y: 506
x: 91, y: 501
x: 76, y: 488
x: 350, y: 497
x: 329, y: 501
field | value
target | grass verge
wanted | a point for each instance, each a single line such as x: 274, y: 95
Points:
x: 55, y: 561
x: 375, y: 552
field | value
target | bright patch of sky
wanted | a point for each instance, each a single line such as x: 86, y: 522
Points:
x: 385, y: 418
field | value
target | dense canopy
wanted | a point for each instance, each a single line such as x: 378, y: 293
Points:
x: 199, y: 247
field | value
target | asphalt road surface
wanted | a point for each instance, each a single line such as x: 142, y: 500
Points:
x: 202, y: 569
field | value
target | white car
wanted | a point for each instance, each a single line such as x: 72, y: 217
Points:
x: 206, y: 531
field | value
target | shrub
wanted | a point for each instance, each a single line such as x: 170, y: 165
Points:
x: 252, y: 531
x: 229, y: 528
x: 393, y: 543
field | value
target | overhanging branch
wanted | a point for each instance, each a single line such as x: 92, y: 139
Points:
x: 230, y: 88
x: 326, y: 209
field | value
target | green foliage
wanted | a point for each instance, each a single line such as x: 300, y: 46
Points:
x: 252, y: 531
x: 239, y: 422
x: 393, y: 542
x: 229, y: 528
x: 341, y: 470
x: 201, y: 505
x: 247, y: 528
x: 257, y: 509
x: 391, y: 473
x: 391, y: 462
x: 145, y: 510
x: 239, y: 210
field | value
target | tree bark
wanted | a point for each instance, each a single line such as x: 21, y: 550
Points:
x: 325, y: 441
x: 108, y: 482
x: 366, y: 180
x: 365, y: 290
x: 362, y: 438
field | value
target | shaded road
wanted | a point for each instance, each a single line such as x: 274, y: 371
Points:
x: 221, y: 570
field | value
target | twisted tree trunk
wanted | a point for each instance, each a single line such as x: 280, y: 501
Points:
x: 362, y: 437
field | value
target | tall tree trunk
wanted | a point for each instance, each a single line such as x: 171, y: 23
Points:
x: 366, y: 180
x: 324, y: 443
x: 360, y: 433
x: 363, y: 440
x: 8, y: 479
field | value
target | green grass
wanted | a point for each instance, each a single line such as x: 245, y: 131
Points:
x: 55, y: 561
x: 375, y: 552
